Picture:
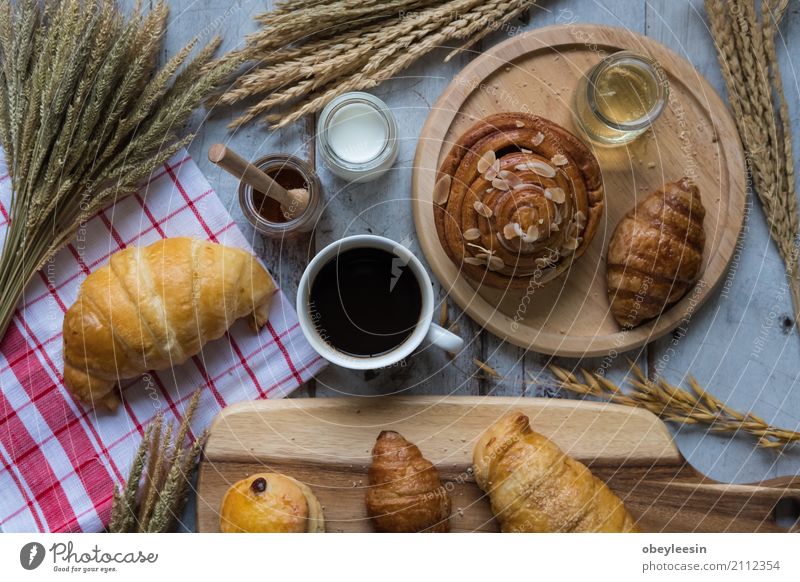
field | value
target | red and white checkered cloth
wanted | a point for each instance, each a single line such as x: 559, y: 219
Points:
x: 59, y: 459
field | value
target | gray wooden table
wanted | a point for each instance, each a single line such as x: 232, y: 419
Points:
x: 742, y: 345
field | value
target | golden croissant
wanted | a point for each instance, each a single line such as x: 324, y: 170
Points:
x: 154, y: 307
x: 405, y: 493
x: 656, y: 253
x: 534, y: 487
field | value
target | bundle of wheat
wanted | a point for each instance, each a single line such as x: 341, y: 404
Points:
x: 307, y: 52
x: 85, y: 116
x: 746, y: 49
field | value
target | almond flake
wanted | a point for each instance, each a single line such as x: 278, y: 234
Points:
x: 492, y: 171
x: 532, y: 235
x: 472, y: 234
x: 557, y: 195
x: 512, y: 230
x: 500, y: 184
x: 571, y: 244
x: 496, y: 264
x: 441, y: 191
x: 511, y: 178
x: 482, y: 209
x: 524, y: 151
x: 480, y: 248
x: 580, y: 220
x: 486, y: 161
x: 543, y: 169
x: 537, y: 139
x: 559, y: 160
x: 519, y: 123
x: 474, y: 261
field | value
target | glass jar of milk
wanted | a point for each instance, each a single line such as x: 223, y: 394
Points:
x: 357, y: 137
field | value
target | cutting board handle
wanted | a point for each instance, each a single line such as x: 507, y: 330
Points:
x: 781, y: 483
x: 701, y: 504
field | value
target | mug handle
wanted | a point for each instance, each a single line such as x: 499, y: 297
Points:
x: 442, y: 338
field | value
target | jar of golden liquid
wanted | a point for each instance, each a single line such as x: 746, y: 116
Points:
x: 620, y: 97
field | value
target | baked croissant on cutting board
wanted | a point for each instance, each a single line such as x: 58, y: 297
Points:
x: 154, y: 307
x: 534, y: 487
x: 655, y: 253
x: 405, y: 493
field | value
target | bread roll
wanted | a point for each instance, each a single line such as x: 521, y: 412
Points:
x: 534, y: 487
x: 154, y: 307
x: 270, y: 503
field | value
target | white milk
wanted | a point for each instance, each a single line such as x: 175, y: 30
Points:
x: 357, y: 137
x: 357, y: 133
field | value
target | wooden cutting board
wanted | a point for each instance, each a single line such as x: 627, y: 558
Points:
x: 538, y: 72
x: 326, y: 443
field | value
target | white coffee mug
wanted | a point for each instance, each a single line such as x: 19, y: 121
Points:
x: 424, y: 330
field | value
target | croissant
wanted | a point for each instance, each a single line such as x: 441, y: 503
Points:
x: 154, y: 307
x: 405, y: 493
x: 534, y: 487
x: 517, y: 200
x: 270, y: 503
x: 655, y: 253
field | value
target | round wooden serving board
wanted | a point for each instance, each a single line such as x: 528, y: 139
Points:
x: 538, y: 73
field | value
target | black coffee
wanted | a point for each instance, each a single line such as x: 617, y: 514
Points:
x: 365, y: 302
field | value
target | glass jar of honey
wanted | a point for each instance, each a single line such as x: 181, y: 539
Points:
x: 266, y: 214
x: 620, y: 98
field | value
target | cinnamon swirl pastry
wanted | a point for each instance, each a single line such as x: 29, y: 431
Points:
x: 518, y: 197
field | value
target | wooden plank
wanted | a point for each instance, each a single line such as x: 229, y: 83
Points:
x: 742, y: 345
x: 285, y: 259
x: 382, y: 207
x: 741, y: 317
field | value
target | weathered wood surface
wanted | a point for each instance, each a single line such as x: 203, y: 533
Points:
x: 742, y: 344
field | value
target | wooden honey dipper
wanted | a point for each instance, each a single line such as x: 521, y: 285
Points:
x: 293, y: 202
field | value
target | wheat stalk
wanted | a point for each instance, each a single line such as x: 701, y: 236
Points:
x: 673, y: 404
x: 307, y: 52
x: 155, y: 493
x: 746, y: 49
x: 85, y: 115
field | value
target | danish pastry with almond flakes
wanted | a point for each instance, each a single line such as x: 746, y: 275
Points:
x: 518, y: 197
